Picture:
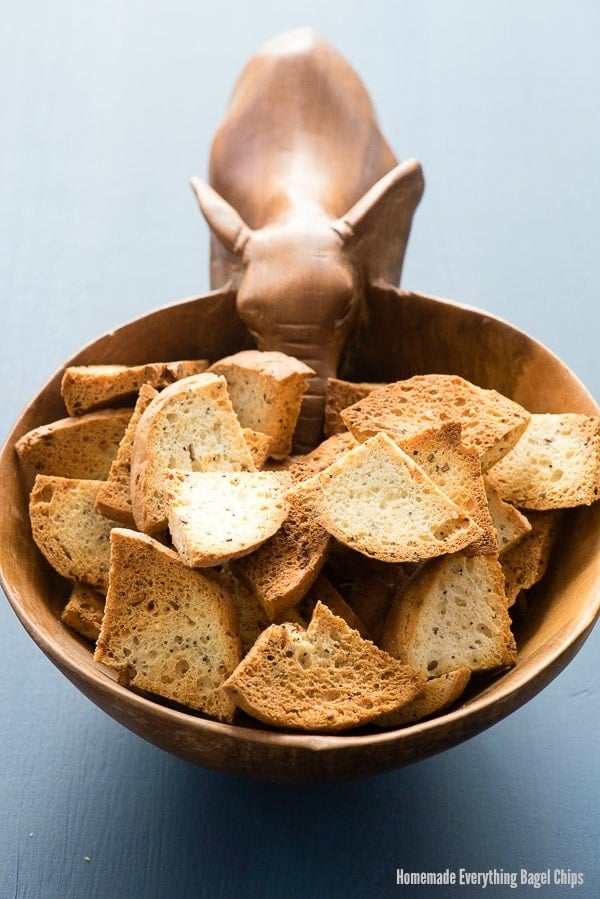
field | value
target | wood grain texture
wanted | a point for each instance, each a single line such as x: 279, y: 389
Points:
x: 107, y: 110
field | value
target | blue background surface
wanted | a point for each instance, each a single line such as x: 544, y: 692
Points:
x: 106, y: 109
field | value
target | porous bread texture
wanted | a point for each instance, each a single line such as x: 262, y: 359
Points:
x: 340, y: 394
x: 555, y: 464
x: 266, y: 390
x: 277, y: 464
x: 456, y: 470
x: 215, y: 516
x: 377, y: 500
x: 259, y: 446
x: 525, y: 563
x: 438, y: 694
x: 84, y: 611
x: 168, y: 630
x: 81, y: 447
x: 509, y: 523
x: 191, y: 426
x: 68, y: 530
x: 305, y: 465
x: 324, y: 679
x: 323, y: 591
x: 252, y: 618
x: 452, y: 614
x: 491, y: 423
x: 88, y: 387
x: 114, y: 497
x: 281, y: 571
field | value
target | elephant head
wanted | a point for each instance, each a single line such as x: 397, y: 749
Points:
x: 300, y: 278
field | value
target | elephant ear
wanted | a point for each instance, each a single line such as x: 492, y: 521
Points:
x: 376, y: 229
x: 225, y: 223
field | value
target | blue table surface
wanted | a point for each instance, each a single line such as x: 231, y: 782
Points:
x: 107, y: 109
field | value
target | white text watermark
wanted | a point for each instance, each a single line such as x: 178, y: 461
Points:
x: 492, y: 877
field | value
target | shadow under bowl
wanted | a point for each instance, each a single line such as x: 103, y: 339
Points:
x: 405, y: 334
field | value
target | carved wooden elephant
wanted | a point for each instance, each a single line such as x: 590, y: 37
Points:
x: 306, y: 204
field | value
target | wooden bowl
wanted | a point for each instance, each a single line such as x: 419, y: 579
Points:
x: 405, y: 334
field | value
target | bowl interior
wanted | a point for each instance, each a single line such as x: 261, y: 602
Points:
x: 403, y: 334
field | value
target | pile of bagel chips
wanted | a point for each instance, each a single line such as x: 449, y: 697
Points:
x: 363, y: 583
